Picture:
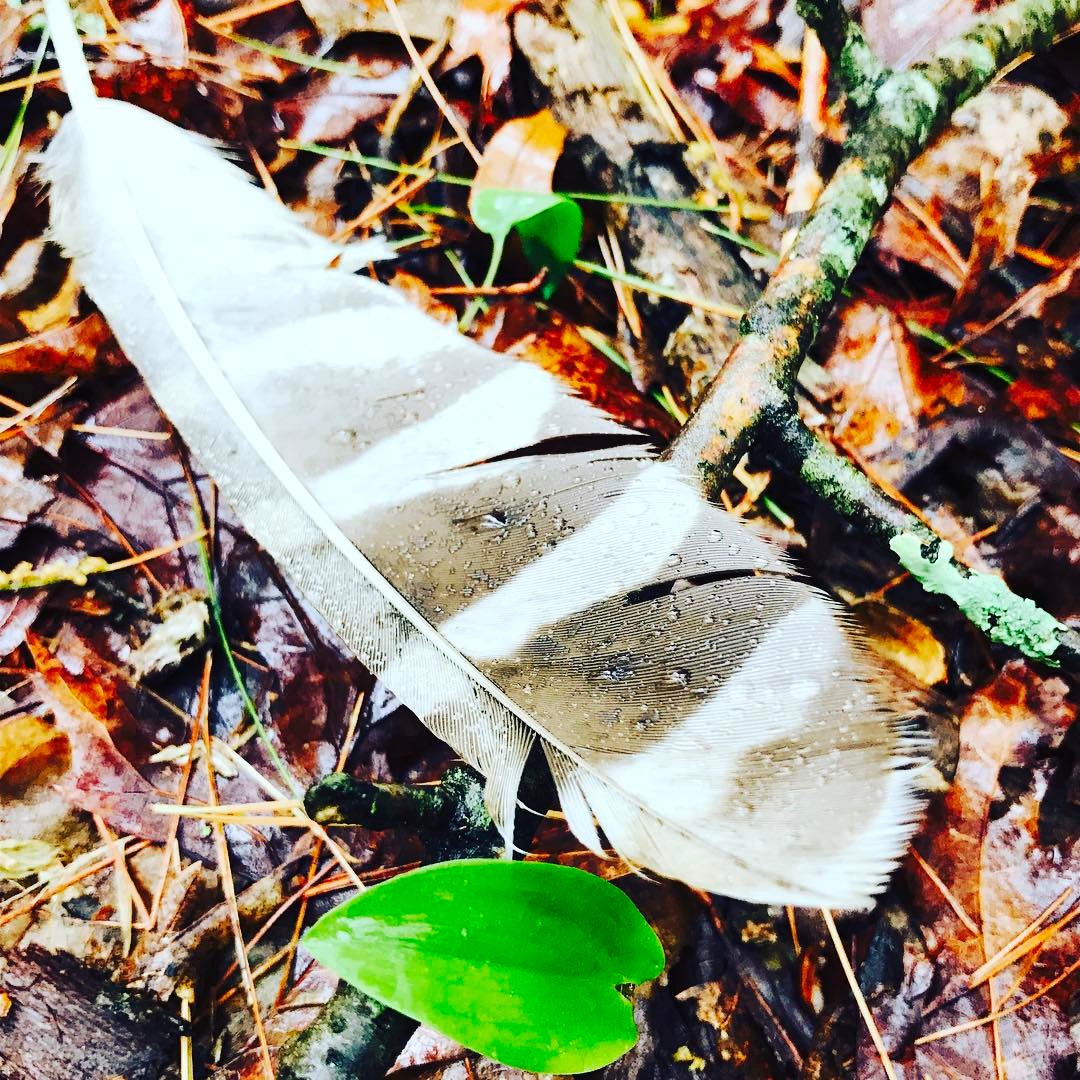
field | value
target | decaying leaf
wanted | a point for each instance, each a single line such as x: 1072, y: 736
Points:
x: 904, y: 641
x: 902, y: 33
x: 24, y: 858
x: 21, y: 737
x: 1002, y: 878
x: 180, y: 622
x: 482, y: 28
x: 427, y: 20
x: 980, y: 171
x: 886, y: 388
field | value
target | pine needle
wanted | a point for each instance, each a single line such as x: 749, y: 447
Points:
x: 853, y: 982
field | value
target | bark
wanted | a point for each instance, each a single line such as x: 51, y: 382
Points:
x: 66, y: 1020
x: 619, y: 139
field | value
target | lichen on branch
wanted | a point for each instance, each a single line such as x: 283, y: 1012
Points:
x: 984, y: 598
x: 854, y: 64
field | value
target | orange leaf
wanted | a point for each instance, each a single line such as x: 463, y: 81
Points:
x: 522, y: 154
x: 21, y: 736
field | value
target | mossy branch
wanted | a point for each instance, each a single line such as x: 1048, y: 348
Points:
x: 985, y: 599
x: 852, y: 62
x: 754, y: 394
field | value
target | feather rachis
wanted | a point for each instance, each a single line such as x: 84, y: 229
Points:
x: 673, y: 666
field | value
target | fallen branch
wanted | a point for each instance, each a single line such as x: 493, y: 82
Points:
x: 753, y: 398
x: 854, y: 64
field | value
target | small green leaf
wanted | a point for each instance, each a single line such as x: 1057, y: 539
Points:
x: 549, y: 226
x: 519, y: 961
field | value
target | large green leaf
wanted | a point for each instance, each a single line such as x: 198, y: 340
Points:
x: 519, y: 961
x: 549, y: 226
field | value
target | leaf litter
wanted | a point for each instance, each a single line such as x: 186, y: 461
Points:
x: 946, y: 373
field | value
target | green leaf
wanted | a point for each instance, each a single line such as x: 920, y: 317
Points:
x: 519, y: 961
x: 549, y: 226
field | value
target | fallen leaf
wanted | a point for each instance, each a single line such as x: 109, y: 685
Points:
x: 25, y: 858
x: 482, y: 29
x: 99, y: 779
x: 885, y: 386
x: 427, y: 20
x: 21, y: 737
x: 157, y: 28
x: 522, y: 154
x: 21, y: 499
x: 904, y: 641
x: 982, y: 841
x: 512, y: 191
x: 330, y: 105
x: 1053, y: 396
x: 980, y: 170
x: 901, y: 32
x: 77, y: 348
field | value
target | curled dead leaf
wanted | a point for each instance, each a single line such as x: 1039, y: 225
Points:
x: 482, y: 29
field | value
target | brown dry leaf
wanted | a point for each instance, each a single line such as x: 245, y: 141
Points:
x: 904, y: 641
x: 11, y: 29
x: 100, y: 779
x: 21, y: 737
x: 521, y: 155
x: 482, y: 29
x: 21, y: 499
x: 550, y: 340
x: 722, y: 51
x: 886, y: 387
x: 418, y: 293
x: 980, y: 170
x: 157, y: 29
x: 427, y: 20
x: 994, y: 866
x: 330, y: 105
x: 1051, y: 395
x: 76, y: 348
x: 17, y: 615
x: 70, y: 667
x: 901, y: 32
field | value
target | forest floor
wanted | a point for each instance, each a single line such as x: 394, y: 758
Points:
x: 948, y: 373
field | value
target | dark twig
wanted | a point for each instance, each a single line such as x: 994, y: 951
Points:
x: 354, y: 1035
x: 984, y: 598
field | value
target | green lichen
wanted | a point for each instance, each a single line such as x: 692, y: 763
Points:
x: 984, y: 598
